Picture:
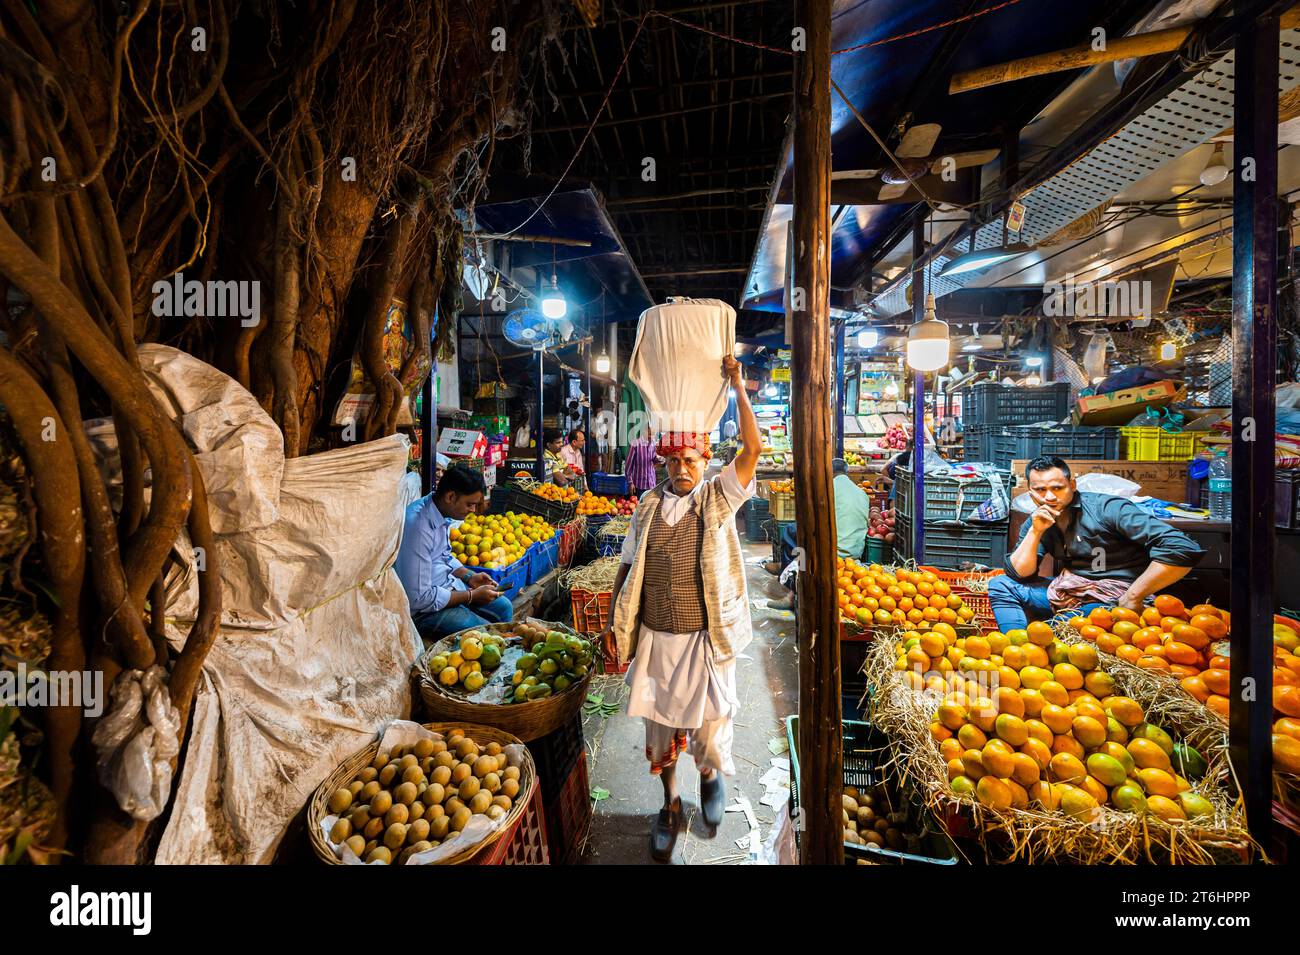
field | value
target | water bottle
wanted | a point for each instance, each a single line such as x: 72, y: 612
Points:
x: 1221, y: 487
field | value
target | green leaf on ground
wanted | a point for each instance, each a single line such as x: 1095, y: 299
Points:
x: 598, y: 794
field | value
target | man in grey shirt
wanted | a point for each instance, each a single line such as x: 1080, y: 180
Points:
x: 1122, y: 553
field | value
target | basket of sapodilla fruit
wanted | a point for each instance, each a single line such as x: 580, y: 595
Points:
x: 528, y: 677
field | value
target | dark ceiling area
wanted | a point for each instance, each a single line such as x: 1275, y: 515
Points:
x: 705, y: 116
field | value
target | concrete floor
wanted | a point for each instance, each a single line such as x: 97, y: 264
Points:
x: 767, y: 684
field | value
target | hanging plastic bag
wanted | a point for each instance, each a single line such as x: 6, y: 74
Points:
x: 998, y: 506
x: 677, y: 363
x: 137, y: 741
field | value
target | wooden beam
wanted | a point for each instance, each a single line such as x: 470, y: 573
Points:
x: 518, y: 237
x: 1078, y: 57
x: 821, y: 740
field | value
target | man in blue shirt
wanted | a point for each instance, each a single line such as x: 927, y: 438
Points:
x: 1114, y: 552
x: 445, y: 597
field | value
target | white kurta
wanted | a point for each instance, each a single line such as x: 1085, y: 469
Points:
x: 674, y: 680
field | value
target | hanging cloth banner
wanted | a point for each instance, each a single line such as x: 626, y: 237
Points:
x: 677, y: 363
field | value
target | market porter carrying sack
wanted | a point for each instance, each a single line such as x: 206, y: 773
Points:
x: 677, y: 363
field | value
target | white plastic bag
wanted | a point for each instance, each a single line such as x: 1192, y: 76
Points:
x: 1107, y: 484
x: 677, y: 363
x: 137, y: 741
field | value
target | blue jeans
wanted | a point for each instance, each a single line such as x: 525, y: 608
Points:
x: 440, y: 623
x: 1015, y: 603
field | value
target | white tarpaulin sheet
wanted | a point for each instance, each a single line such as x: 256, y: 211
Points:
x: 316, y: 644
x: 677, y: 362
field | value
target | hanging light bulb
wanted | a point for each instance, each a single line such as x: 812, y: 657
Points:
x: 1216, y: 170
x: 1033, y: 380
x: 553, y: 303
x: 1034, y: 361
x: 602, y: 364
x: 1168, y: 351
x: 927, y: 341
x: 868, y: 338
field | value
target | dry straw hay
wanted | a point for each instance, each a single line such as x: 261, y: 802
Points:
x: 1039, y: 836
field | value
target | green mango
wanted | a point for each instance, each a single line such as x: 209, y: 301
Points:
x: 527, y: 663
x: 1149, y: 731
x: 562, y: 683
x: 539, y: 692
x: 521, y: 693
x: 556, y: 639
x: 1188, y: 762
x: 548, y: 667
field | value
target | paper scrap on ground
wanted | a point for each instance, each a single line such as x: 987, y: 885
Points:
x: 775, y: 798
x: 777, y: 745
x: 781, y: 762
x: 776, y: 778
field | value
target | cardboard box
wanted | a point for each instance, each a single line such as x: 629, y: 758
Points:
x: 1166, y: 480
x: 458, y: 443
x: 1120, y: 407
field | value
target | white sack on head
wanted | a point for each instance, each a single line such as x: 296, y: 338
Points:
x: 677, y: 362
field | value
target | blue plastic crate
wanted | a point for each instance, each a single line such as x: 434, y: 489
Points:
x: 1001, y: 444
x: 610, y: 545
x: 543, y: 557
x: 511, y: 578
x: 608, y: 485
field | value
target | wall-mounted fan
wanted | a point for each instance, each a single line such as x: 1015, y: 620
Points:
x: 529, y: 328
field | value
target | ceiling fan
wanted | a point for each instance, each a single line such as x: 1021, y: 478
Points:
x: 914, y: 154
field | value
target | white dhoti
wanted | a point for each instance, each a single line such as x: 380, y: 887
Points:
x: 687, y: 700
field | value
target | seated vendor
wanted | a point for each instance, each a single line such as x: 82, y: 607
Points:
x: 1105, y: 550
x: 445, y: 597
x: 558, y: 471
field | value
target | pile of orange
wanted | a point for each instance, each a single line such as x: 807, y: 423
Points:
x: 780, y: 487
x: 553, y: 492
x: 595, y: 504
x: 879, y: 596
x: 1192, y: 645
x: 1026, y: 721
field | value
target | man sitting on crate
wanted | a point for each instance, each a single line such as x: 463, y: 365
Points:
x: 681, y: 614
x: 1104, y: 549
x: 445, y: 597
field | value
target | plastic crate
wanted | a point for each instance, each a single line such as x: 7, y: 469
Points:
x: 543, y: 557
x: 525, y: 502
x: 570, y: 535
x: 946, y: 498
x: 879, y: 551
x: 590, y: 610
x: 524, y: 844
x: 1286, y: 498
x: 866, y: 754
x: 610, y: 545
x: 992, y: 402
x: 978, y: 602
x: 1147, y: 443
x: 557, y: 754
x: 781, y: 505
x: 756, y: 517
x: 568, y: 816
x: 1002, y: 444
x: 609, y: 485
x: 853, y: 682
x: 950, y: 545
x: 509, y: 579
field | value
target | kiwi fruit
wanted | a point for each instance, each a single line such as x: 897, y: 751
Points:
x: 407, y: 761
x: 433, y: 812
x: 426, y: 765
x: 340, y: 799
x: 469, y: 788
x: 417, y: 831
x: 872, y: 837
x: 360, y: 816
x: 439, y: 826
x: 387, y: 775
x: 380, y: 854
x: 466, y: 747
x: 413, y: 774
x: 434, y: 795
x: 850, y: 804
x: 866, y: 816
x: 406, y: 793
x: 495, y: 812
x: 368, y: 775
x: 417, y: 810
x: 480, y: 801
x: 368, y: 848
x: 510, y: 772
x: 461, y: 773
x: 398, y: 814
x: 460, y: 818
x: 341, y: 831
x: 355, y: 787
x: 453, y: 805
x: 493, y: 749
x: 440, y: 775
x: 484, y: 765
x: 423, y: 748
x: 381, y: 803
x: 454, y: 736
x: 368, y: 791
x: 357, y: 844
x: 422, y: 846
x: 503, y: 801
x: 510, y: 787
x: 445, y: 758
x: 373, y: 828
x: 395, y: 835
x: 492, y: 783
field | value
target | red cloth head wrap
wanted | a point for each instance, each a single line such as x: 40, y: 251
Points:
x: 674, y: 442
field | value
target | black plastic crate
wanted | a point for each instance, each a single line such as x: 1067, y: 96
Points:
x: 774, y: 532
x: 949, y: 546
x: 556, y: 754
x: 946, y: 498
x: 1286, y: 499
x: 1002, y: 444
x: 756, y: 515
x: 514, y: 499
x: 853, y: 682
x: 991, y: 402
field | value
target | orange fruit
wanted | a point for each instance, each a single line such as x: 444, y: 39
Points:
x: 955, y: 768
x: 1286, y: 699
x: 1008, y: 677
x: 1170, y: 606
x: 1195, y: 687
x: 1213, y: 627
x: 1078, y: 623
x: 1068, y: 675
x: 1089, y: 632
x: 1035, y: 656
x: 1153, y: 663
x: 946, y: 631
x: 940, y: 733
x: 1126, y: 710
x: 1053, y: 692
x: 1151, y: 616
x: 950, y: 749
x: 1217, y: 662
x: 1286, y: 754
x: 1182, y: 670
x: 1217, y: 681
x: 1219, y: 704
x: 993, y: 793
x: 1014, y: 657
x: 1288, y: 726
x: 1176, y: 652
x: 1088, y: 706
x: 1056, y: 717
x: 1167, y: 624
x: 1025, y: 769
x: 1101, y: 617
x: 1032, y: 701
x: 1124, y: 629
x: 1008, y: 700
x: 1147, y: 637
x: 1194, y: 637
x: 1108, y: 643
x: 1088, y: 731
x: 1040, y: 634
x: 1210, y: 609
x: 1068, y: 744
x: 1125, y: 615
x: 1066, y: 768
x: 1038, y: 751
x: 1129, y: 653
x: 1148, y: 755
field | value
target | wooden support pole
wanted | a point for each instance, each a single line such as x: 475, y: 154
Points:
x: 1078, y: 57
x: 820, y: 734
x: 1254, y: 368
x: 918, y: 400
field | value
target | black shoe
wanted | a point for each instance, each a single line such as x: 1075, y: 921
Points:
x: 713, y: 799
x: 663, y: 836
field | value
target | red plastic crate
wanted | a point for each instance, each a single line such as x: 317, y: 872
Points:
x: 568, y: 816
x: 979, y: 603
x: 590, y: 610
x: 524, y: 844
x: 570, y: 536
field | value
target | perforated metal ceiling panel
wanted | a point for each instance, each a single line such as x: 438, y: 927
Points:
x: 1180, y: 122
